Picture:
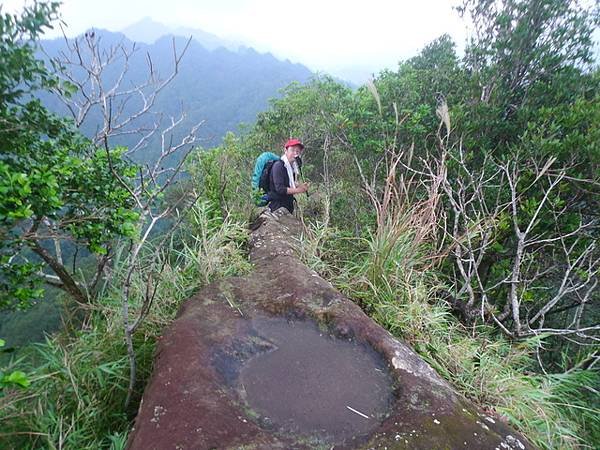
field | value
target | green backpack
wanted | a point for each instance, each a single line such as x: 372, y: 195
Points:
x: 262, y: 175
x: 262, y: 163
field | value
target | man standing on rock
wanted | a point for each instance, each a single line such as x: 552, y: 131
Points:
x: 283, y: 186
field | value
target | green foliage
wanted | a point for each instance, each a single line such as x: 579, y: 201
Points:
x: 221, y: 177
x: 79, y: 377
x: 212, y: 246
x: 521, y: 42
x: 13, y: 378
x: 409, y: 98
x: 305, y: 111
x: 524, y: 54
x: 20, y: 70
x: 53, y: 182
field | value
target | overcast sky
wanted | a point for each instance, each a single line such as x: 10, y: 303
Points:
x: 327, y: 35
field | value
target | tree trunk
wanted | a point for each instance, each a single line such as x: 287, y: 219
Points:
x: 68, y: 283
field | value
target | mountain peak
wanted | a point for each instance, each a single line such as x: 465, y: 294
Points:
x: 148, y: 31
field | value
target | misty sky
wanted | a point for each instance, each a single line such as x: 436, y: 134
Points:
x: 327, y: 35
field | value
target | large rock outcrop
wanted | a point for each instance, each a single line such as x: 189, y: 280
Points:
x: 280, y: 359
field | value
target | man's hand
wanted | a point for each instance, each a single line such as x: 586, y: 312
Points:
x: 302, y: 188
x: 298, y: 189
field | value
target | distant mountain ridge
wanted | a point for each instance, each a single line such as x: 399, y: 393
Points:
x: 148, y: 31
x: 221, y: 87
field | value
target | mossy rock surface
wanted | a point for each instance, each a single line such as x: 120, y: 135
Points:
x: 216, y: 363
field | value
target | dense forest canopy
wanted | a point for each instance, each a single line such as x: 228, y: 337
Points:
x: 455, y: 199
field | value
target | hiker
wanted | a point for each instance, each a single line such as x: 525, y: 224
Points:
x: 284, y: 182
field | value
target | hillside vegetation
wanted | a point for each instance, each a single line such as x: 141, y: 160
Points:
x: 454, y: 199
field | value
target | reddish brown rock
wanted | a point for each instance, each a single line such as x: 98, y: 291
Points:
x: 280, y: 359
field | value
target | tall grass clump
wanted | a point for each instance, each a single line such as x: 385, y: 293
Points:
x: 79, y: 377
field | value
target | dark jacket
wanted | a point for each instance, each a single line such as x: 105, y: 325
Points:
x: 278, y: 185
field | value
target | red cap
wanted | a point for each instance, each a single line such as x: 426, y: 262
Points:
x: 292, y: 142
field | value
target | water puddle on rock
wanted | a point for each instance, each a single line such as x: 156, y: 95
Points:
x: 315, y: 384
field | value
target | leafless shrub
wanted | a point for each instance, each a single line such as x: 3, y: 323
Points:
x: 509, y: 203
x: 126, y: 108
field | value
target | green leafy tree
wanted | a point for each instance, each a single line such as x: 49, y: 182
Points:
x: 55, y: 187
x: 519, y: 45
x: 408, y: 99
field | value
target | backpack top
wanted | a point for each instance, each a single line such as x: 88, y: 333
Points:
x: 259, y: 166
